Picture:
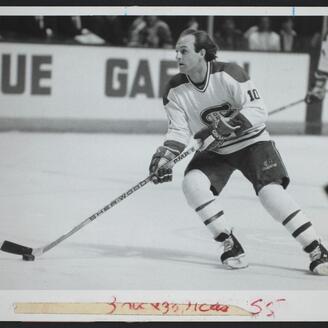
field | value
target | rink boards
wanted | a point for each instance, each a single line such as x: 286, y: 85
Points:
x: 107, y: 89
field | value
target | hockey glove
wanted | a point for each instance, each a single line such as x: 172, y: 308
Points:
x: 318, y: 91
x: 219, y: 129
x: 223, y: 127
x: 163, y: 155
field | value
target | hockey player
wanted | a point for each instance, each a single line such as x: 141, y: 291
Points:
x: 318, y: 91
x: 219, y: 104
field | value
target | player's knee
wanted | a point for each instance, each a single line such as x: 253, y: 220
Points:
x: 196, y: 188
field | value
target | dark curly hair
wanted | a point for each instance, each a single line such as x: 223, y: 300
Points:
x: 202, y: 41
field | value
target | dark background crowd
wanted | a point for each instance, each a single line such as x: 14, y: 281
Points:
x: 254, y: 33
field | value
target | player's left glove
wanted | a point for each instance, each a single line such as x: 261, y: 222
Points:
x: 162, y: 173
x: 222, y: 129
x: 317, y: 92
x: 219, y: 129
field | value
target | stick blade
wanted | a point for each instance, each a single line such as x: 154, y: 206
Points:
x: 13, y: 248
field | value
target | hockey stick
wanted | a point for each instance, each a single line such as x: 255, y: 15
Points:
x: 290, y: 105
x: 286, y: 106
x: 11, y: 247
x: 29, y: 253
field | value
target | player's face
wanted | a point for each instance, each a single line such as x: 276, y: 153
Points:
x: 188, y: 59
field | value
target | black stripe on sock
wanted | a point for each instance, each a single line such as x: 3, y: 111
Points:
x: 291, y: 216
x: 301, y: 229
x: 310, y: 248
x: 204, y: 205
x: 213, y: 218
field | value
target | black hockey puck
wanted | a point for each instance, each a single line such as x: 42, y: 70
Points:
x: 28, y: 257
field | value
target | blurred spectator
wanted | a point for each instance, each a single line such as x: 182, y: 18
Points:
x: 230, y: 38
x: 64, y: 28
x: 315, y: 41
x: 250, y: 31
x: 109, y: 28
x: 314, y: 49
x: 69, y: 29
x: 151, y: 32
x: 263, y: 38
x: 288, y: 37
x: 135, y: 32
x: 23, y: 28
x: 87, y: 37
x: 192, y: 24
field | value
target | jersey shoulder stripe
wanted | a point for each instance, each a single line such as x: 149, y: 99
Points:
x: 234, y: 70
x: 174, y: 82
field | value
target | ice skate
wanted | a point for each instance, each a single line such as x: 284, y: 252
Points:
x: 233, y: 256
x: 319, y: 260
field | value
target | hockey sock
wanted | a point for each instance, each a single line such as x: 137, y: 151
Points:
x: 196, y: 187
x: 282, y: 207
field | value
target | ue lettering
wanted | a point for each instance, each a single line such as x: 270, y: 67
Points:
x: 16, y: 85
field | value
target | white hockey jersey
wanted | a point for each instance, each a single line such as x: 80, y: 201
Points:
x: 227, y: 89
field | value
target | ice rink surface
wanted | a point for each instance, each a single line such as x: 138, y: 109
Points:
x: 151, y: 241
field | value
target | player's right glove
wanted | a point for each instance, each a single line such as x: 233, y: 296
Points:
x: 162, y: 173
x: 317, y: 92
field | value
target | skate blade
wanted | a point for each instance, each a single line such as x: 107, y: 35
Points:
x: 235, y: 263
x: 321, y: 269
